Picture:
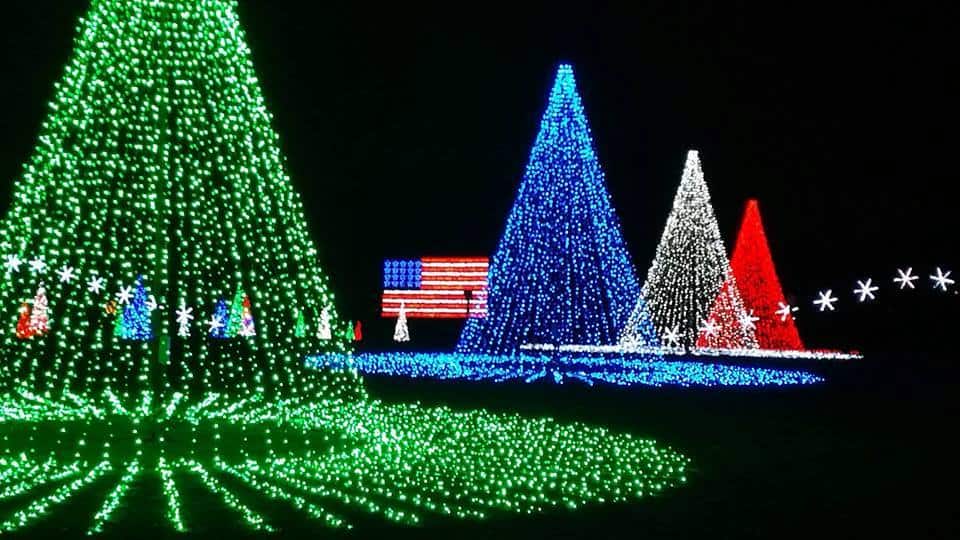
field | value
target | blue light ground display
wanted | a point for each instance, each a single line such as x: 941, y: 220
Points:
x: 621, y: 370
x: 561, y: 273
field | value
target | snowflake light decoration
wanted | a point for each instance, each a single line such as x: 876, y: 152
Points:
x: 905, y: 278
x: 941, y: 280
x: 12, y: 263
x: 865, y: 290
x: 826, y: 300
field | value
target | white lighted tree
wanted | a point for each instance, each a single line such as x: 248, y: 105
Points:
x: 401, y: 333
x: 686, y: 279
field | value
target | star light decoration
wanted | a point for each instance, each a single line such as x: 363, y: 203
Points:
x: 865, y: 290
x: 786, y: 310
x: 95, y: 285
x: 748, y: 320
x: 671, y: 336
x: 38, y: 265
x: 826, y: 300
x: 709, y: 328
x: 942, y: 279
x: 67, y: 274
x: 124, y: 295
x: 184, y: 316
x: 12, y: 263
x: 215, y: 323
x: 906, y: 278
x: 157, y: 135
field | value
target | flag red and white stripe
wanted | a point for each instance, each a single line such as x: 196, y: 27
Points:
x: 444, y: 282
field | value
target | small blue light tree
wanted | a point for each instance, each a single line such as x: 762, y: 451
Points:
x: 221, y: 314
x: 136, y: 324
x: 561, y: 274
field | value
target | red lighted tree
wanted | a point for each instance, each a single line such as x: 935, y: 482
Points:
x: 23, y: 323
x: 759, y: 286
x: 358, y: 332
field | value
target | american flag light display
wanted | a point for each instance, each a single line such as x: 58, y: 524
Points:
x: 435, y: 287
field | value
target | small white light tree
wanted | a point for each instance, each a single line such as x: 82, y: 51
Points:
x: 324, y: 331
x: 401, y: 333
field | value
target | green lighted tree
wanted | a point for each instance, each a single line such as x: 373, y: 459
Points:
x: 300, y: 326
x: 235, y: 321
x: 146, y: 152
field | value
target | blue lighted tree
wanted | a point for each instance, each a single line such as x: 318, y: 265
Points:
x: 136, y: 325
x: 219, y: 320
x: 561, y: 274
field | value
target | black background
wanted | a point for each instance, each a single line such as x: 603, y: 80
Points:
x: 407, y: 129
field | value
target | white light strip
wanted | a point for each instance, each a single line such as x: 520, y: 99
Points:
x: 600, y: 348
x: 480, y: 283
x: 679, y: 351
x: 455, y: 265
x: 767, y: 353
x: 454, y: 274
x: 435, y: 310
x: 430, y: 301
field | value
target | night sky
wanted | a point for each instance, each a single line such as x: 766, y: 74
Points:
x: 408, y: 131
